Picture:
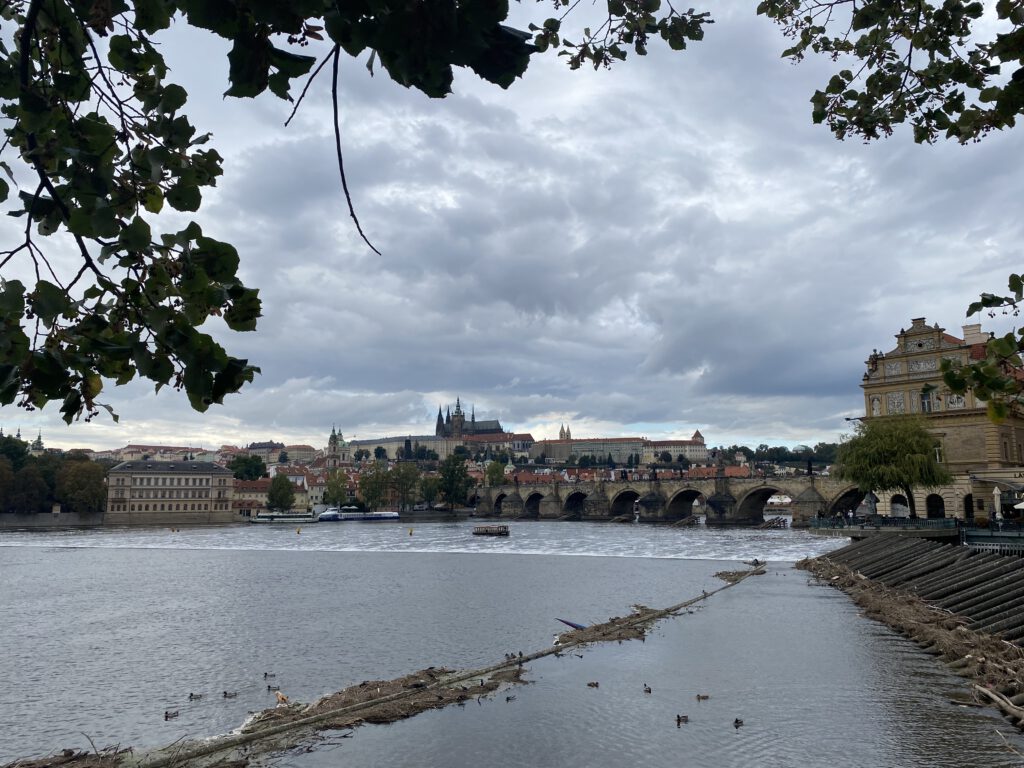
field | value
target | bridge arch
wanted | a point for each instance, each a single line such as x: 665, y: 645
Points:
x: 531, y: 507
x: 498, y: 500
x: 751, y: 506
x: 847, y: 501
x: 622, y: 503
x: 680, y: 506
x: 575, y: 505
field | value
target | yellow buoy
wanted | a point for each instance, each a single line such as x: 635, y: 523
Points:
x: 410, y: 531
x: 298, y: 530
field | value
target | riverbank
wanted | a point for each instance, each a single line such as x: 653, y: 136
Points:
x: 957, y: 604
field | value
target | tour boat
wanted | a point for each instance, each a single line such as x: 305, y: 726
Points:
x: 490, y: 530
x: 354, y: 515
x: 290, y: 517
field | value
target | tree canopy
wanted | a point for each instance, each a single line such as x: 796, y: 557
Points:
x: 281, y: 495
x: 454, y: 480
x: 248, y: 467
x: 996, y: 379
x: 99, y: 144
x: 891, y: 452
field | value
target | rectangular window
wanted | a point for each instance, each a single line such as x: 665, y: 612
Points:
x: 926, y: 402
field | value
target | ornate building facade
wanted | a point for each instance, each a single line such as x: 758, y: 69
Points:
x: 985, y: 458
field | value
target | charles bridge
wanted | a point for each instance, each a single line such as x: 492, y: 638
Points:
x: 724, y: 501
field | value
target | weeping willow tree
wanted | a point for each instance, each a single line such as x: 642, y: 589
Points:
x: 891, y: 452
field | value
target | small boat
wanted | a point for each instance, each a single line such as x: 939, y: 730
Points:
x: 354, y: 515
x: 490, y: 530
x: 291, y: 518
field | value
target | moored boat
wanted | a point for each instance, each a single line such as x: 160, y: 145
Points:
x: 490, y: 530
x: 291, y: 517
x: 354, y: 515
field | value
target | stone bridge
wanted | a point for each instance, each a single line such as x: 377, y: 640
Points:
x: 723, y: 501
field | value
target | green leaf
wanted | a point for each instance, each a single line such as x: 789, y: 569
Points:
x: 49, y: 301
x: 137, y: 235
x: 184, y: 197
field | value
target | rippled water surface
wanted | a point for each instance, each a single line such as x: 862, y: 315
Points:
x: 105, y: 630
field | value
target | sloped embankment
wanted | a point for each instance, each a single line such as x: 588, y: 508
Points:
x: 964, y: 606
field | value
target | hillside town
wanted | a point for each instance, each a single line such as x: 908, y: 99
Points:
x: 149, y: 483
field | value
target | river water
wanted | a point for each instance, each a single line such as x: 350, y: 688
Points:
x: 102, y: 631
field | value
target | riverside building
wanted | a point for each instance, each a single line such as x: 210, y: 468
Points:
x: 169, y: 493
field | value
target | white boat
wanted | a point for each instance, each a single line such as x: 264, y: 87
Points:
x: 353, y: 514
x: 290, y: 518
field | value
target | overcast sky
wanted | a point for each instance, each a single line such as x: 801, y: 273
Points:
x: 668, y: 246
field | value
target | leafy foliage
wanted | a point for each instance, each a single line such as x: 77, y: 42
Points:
x: 891, y: 452
x: 454, y: 481
x: 495, y: 473
x: 247, y: 467
x: 373, y: 484
x: 281, y: 495
x: 80, y: 487
x: 911, y: 61
x: 336, y: 492
x: 404, y: 480
x: 996, y: 379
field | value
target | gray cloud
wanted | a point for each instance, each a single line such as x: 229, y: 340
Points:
x: 667, y: 246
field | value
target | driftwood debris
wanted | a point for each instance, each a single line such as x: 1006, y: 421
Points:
x: 916, y: 587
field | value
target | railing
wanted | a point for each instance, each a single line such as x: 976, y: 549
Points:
x: 903, y: 523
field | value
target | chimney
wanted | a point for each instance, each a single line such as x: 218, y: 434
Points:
x: 974, y: 335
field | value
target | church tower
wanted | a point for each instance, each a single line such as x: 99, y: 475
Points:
x: 561, y: 432
x: 439, y: 429
x: 458, y: 420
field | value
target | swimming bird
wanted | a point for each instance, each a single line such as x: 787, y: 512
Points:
x: 281, y: 698
x: 737, y: 723
x: 195, y: 696
x: 230, y: 694
x: 594, y: 684
x: 680, y: 719
x: 510, y: 698
x: 273, y: 687
x: 168, y: 714
x: 703, y: 696
x: 647, y: 688
x: 268, y: 675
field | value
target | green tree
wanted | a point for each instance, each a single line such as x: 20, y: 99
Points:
x: 404, y: 479
x: 380, y: 453
x: 281, y: 496
x: 665, y: 457
x: 6, y: 484
x: 361, y: 454
x: 542, y: 459
x: 80, y: 487
x: 495, y: 474
x: 891, y: 453
x: 336, y: 492
x: 247, y: 467
x: 454, y: 480
x: 373, y: 484
x: 430, y: 489
x: 282, y: 457
x: 15, y: 450
x: 682, y: 461
x: 29, y: 492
